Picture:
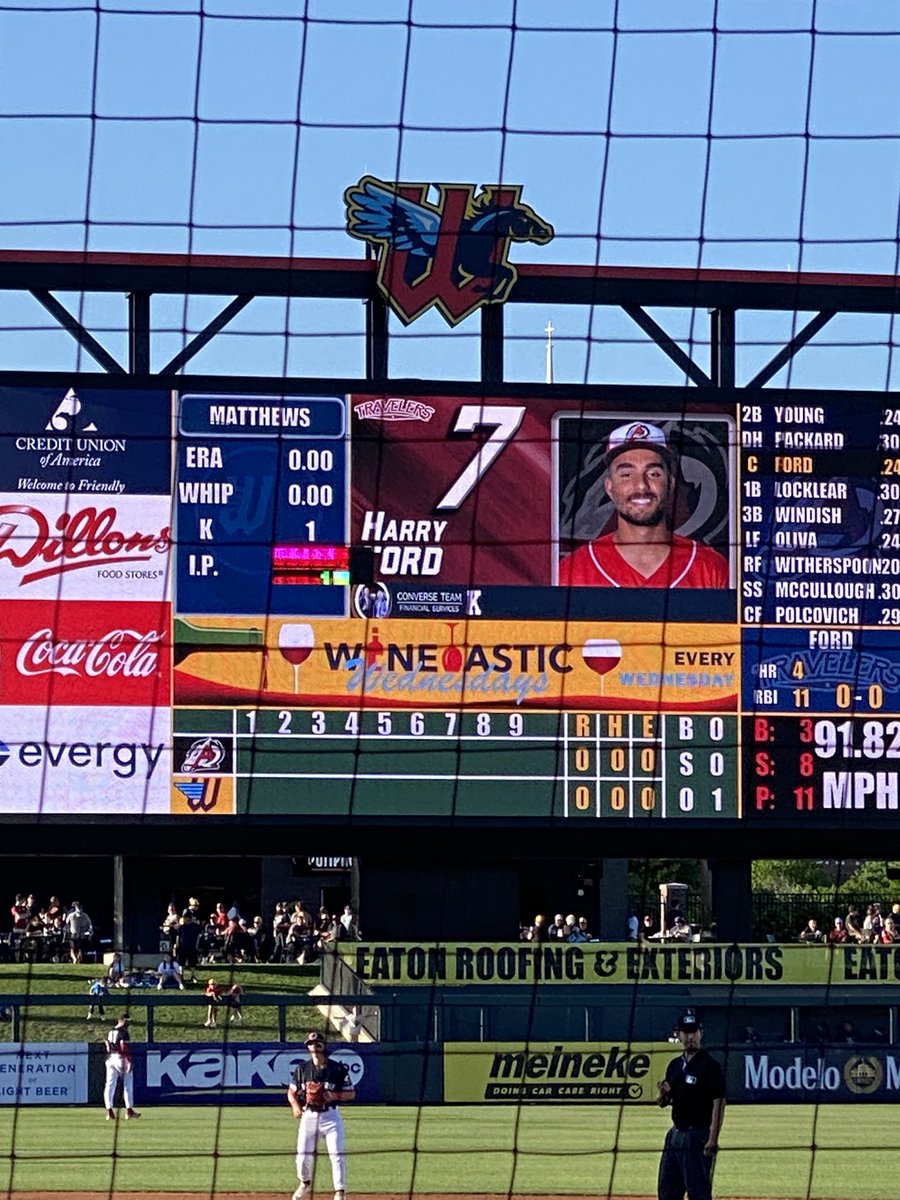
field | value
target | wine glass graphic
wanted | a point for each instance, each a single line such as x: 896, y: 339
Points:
x: 452, y: 656
x: 601, y: 655
x: 296, y: 645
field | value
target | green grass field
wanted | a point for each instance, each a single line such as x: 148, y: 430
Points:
x: 766, y: 1151
x: 174, y: 1022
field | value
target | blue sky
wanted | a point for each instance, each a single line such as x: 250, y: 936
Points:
x: 643, y: 136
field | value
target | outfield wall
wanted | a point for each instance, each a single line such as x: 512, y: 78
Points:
x: 500, y: 1073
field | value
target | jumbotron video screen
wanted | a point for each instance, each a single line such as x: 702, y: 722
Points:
x: 403, y: 607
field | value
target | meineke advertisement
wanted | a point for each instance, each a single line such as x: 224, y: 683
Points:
x: 84, y: 760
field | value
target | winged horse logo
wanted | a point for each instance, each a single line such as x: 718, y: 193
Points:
x: 452, y: 255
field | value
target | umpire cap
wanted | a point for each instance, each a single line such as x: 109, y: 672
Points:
x: 687, y: 1023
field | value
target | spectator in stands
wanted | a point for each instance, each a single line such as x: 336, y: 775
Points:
x: 351, y: 924
x: 302, y: 935
x: 169, y: 972
x: 259, y: 938
x: 680, y: 930
x: 540, y: 931
x: 632, y: 926
x: 811, y: 934
x: 576, y: 933
x: 80, y: 932
x: 822, y: 1033
x: 648, y: 927
x: 853, y: 925
x: 559, y: 930
x: 98, y: 992
x: 583, y: 926
x: 193, y: 907
x: 872, y: 923
x: 187, y: 946
x: 889, y: 932
x: 213, y: 996
x: 211, y: 939
x: 847, y: 1033
x: 54, y: 910
x: 238, y: 945
x: 168, y: 930
x: 751, y: 1035
x: 837, y: 934
x: 19, y: 913
x: 220, y: 917
x: 116, y: 970
x: 281, y: 924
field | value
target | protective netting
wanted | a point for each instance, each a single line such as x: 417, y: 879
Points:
x: 695, y: 134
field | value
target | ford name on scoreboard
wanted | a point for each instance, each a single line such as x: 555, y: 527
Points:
x: 604, y: 610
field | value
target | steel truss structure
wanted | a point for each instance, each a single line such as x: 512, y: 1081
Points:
x: 634, y: 290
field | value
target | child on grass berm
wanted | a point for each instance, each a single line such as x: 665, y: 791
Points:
x: 213, y: 996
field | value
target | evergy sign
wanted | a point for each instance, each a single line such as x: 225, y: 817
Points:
x: 100, y: 760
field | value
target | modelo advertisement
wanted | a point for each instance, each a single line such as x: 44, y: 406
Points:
x: 554, y: 1072
x: 185, y: 1073
x: 44, y: 1073
x: 813, y: 1075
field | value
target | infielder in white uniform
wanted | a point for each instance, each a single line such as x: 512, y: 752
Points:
x: 316, y: 1089
x: 119, y: 1066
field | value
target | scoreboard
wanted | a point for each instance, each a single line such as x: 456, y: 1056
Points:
x: 473, y: 676
x: 185, y: 569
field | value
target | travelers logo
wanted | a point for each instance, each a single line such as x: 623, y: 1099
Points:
x: 452, y: 255
x: 205, y: 754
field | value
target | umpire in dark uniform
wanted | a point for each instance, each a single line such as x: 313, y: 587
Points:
x: 695, y: 1087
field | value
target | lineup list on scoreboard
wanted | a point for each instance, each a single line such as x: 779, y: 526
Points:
x: 820, y: 536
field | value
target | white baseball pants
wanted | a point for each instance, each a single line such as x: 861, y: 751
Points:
x: 118, y: 1068
x: 327, y: 1125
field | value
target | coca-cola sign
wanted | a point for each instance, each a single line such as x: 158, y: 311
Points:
x: 70, y: 548
x: 125, y: 652
x: 83, y: 653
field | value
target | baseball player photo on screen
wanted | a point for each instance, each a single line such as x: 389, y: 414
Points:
x: 644, y: 501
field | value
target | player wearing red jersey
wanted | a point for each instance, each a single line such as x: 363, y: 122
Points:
x: 642, y: 551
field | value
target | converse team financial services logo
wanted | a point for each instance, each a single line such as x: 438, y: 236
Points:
x: 452, y: 255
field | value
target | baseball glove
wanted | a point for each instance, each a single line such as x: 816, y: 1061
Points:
x: 315, y: 1096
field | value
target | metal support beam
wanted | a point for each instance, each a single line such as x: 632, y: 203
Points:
x: 376, y: 338
x: 85, y: 340
x: 721, y: 347
x: 492, y: 344
x: 783, y: 357
x: 656, y: 332
x: 216, y: 325
x: 139, y: 333
x: 118, y: 902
